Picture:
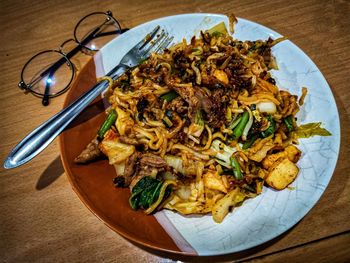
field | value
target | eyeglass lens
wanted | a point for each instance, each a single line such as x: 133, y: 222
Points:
x: 49, y: 73
x: 42, y: 76
x: 94, y: 31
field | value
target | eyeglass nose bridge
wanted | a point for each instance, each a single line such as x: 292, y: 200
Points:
x: 22, y: 85
x: 61, y: 50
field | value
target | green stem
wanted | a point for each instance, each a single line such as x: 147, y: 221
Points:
x: 107, y: 124
x: 238, y: 130
x: 169, y: 96
x: 236, y: 168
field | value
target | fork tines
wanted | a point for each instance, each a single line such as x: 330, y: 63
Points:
x: 157, y: 42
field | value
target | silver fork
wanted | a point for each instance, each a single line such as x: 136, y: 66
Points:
x: 42, y: 136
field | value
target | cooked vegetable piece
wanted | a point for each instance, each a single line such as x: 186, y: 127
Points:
x: 288, y: 121
x: 311, y: 129
x: 214, y: 181
x: 248, y: 125
x: 234, y: 123
x: 107, y: 124
x: 162, y: 193
x: 167, y: 122
x: 145, y: 192
x: 134, y: 201
x: 238, y: 130
x: 143, y: 183
x: 115, y: 151
x: 267, y: 107
x: 236, y: 168
x: 218, y: 30
x: 259, y: 155
x: 221, y: 208
x: 223, y: 152
x: 169, y: 96
x: 271, y: 129
x: 247, y: 144
x: 197, y: 127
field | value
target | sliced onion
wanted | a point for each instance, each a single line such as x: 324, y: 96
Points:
x: 248, y: 125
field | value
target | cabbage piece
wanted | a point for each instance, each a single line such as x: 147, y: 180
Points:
x: 213, y: 180
x: 311, y: 129
x: 123, y: 121
x: 221, y: 208
x: 223, y: 152
x: 218, y: 30
x: 115, y: 151
x: 177, y: 163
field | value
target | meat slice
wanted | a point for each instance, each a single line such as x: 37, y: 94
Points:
x: 187, y: 92
x: 130, y: 165
x: 127, y: 140
x: 152, y: 160
x: 90, y: 153
x: 137, y: 166
x: 148, y: 164
x: 124, y: 179
x: 212, y: 105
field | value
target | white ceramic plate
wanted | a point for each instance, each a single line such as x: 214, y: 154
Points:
x: 273, y: 212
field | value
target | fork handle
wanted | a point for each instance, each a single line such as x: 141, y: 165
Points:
x: 42, y: 136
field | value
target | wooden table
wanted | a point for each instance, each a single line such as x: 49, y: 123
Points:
x: 42, y: 219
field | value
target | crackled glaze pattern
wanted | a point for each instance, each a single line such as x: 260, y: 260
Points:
x: 272, y: 213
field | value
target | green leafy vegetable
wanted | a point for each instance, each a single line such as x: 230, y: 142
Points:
x: 107, y: 124
x: 311, y: 129
x: 134, y: 201
x: 247, y: 144
x: 145, y: 192
x: 288, y: 121
x: 271, y: 129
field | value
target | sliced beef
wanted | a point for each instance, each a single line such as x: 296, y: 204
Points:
x: 124, y: 180
x: 152, y: 160
x: 128, y: 140
x: 90, y: 153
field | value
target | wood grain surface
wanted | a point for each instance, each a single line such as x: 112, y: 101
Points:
x: 42, y: 219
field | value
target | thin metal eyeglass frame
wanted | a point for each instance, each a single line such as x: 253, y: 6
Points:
x: 66, y: 57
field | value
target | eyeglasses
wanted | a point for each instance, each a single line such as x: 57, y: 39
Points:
x: 49, y: 73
